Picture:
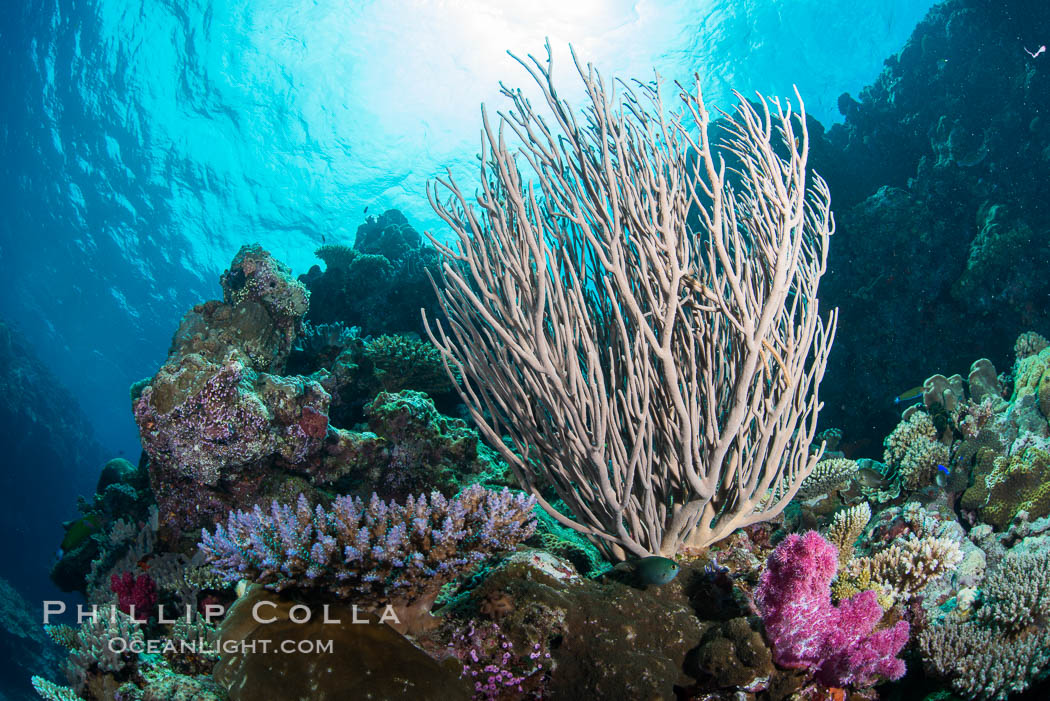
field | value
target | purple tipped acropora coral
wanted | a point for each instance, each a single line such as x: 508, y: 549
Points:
x: 375, y: 549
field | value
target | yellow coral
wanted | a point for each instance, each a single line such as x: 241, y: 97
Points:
x: 1004, y: 486
x: 1032, y: 376
x: 846, y: 527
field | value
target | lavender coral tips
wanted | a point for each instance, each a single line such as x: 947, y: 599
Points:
x: 383, y: 550
x: 807, y: 632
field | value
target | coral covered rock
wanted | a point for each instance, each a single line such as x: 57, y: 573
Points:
x: 364, y: 660
x: 380, y: 283
x: 1007, y: 485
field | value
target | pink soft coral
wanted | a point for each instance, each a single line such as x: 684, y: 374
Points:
x: 136, y: 596
x: 807, y: 632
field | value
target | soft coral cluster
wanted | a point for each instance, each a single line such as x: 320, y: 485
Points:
x: 839, y: 645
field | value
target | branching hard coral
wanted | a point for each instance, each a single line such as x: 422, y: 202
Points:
x: 63, y: 635
x: 914, y: 450
x: 103, y: 645
x: 903, y: 570
x: 50, y: 691
x: 846, y: 526
x: 827, y: 475
x: 1017, y: 593
x: 386, y: 552
x: 981, y: 662
x: 998, y: 651
x: 839, y: 645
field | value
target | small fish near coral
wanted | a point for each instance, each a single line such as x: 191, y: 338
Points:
x: 653, y: 570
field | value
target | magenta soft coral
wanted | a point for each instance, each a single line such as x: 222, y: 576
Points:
x: 140, y: 592
x: 838, y: 645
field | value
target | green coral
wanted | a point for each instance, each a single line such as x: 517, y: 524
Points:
x: 54, y: 692
x: 1004, y: 486
x: 422, y: 450
x: 1032, y: 376
x: 401, y: 362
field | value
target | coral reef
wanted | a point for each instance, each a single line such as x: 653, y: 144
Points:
x: 997, y: 651
x: 380, y: 284
x: 915, y: 450
x: 938, y: 161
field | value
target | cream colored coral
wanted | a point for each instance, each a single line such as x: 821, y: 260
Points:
x: 827, y: 476
x: 914, y: 450
x: 903, y: 570
x: 964, y: 602
x: 846, y: 526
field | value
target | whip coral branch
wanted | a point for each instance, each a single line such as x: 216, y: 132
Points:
x: 635, y: 307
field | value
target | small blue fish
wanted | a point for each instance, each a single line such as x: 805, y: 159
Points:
x: 941, y: 478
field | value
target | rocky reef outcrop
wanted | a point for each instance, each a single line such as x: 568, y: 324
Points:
x: 937, y: 179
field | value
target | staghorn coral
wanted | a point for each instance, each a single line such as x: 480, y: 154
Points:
x: 379, y: 551
x: 50, y: 691
x: 914, y: 450
x: 102, y: 649
x: 846, y: 526
x: 826, y: 477
x: 1017, y: 593
x: 839, y: 645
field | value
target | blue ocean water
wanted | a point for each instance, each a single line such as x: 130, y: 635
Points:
x: 143, y: 143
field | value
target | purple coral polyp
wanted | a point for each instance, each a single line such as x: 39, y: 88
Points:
x: 378, y: 549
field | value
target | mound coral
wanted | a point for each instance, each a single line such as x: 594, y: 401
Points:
x: 1005, y: 486
x: 838, y: 645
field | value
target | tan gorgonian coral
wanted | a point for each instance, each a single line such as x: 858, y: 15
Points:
x: 827, y: 476
x: 631, y: 299
x: 903, y: 570
x: 914, y: 450
x: 846, y: 526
